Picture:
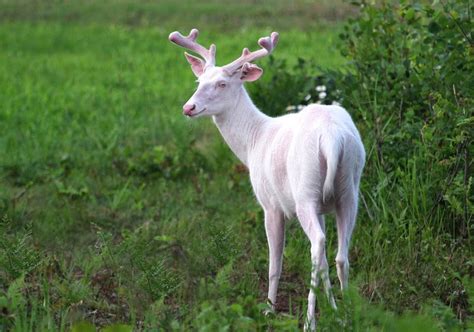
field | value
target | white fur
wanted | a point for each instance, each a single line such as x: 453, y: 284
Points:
x: 305, y: 164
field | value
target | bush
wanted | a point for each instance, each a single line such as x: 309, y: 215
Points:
x: 411, y: 88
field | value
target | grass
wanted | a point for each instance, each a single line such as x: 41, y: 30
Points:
x: 116, y: 209
x: 186, y: 14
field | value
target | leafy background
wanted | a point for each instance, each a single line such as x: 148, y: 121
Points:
x: 118, y: 214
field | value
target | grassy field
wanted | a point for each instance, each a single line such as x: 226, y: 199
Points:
x: 116, y: 209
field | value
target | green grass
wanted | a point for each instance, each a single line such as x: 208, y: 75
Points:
x: 217, y: 14
x: 117, y: 209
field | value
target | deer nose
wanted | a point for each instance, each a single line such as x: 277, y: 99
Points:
x: 188, y: 109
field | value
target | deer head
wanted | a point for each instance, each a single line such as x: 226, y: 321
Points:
x: 218, y: 86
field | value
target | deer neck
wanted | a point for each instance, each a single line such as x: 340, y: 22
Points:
x: 241, y: 125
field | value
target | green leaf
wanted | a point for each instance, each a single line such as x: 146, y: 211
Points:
x: 410, y: 14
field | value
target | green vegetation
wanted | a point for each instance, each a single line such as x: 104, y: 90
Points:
x: 115, y: 209
x: 186, y: 14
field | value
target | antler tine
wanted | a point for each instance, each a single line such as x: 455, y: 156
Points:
x: 190, y: 43
x: 268, y: 44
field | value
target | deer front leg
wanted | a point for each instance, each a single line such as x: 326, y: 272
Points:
x: 275, y: 229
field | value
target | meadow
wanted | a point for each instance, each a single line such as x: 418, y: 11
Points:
x: 118, y: 213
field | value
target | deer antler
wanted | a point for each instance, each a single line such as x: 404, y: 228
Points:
x: 267, y: 44
x: 189, y: 42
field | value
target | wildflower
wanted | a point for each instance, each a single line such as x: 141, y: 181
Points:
x: 320, y: 88
x: 322, y: 95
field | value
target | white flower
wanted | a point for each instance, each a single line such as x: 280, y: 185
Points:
x: 290, y: 108
x: 336, y: 103
x: 322, y: 95
x: 308, y: 97
x: 320, y: 88
x: 300, y: 107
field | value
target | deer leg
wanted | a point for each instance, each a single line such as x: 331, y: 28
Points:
x: 345, y: 219
x: 325, y: 269
x: 311, y: 225
x: 275, y: 230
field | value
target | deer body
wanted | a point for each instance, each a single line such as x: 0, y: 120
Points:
x: 278, y: 151
x: 305, y: 164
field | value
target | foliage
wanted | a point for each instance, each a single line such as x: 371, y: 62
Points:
x: 411, y: 87
x: 281, y: 87
x: 288, y: 88
x: 17, y: 255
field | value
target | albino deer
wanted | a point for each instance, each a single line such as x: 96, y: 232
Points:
x: 305, y: 164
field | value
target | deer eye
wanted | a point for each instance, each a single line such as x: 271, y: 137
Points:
x: 221, y: 85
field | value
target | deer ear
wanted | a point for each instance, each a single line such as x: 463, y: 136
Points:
x: 250, y: 72
x: 197, y: 65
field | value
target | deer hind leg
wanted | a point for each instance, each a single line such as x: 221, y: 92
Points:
x: 346, y: 214
x: 325, y: 269
x: 311, y: 224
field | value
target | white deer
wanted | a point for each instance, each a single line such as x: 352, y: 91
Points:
x: 305, y: 164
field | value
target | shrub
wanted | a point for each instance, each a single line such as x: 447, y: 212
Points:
x: 411, y: 89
